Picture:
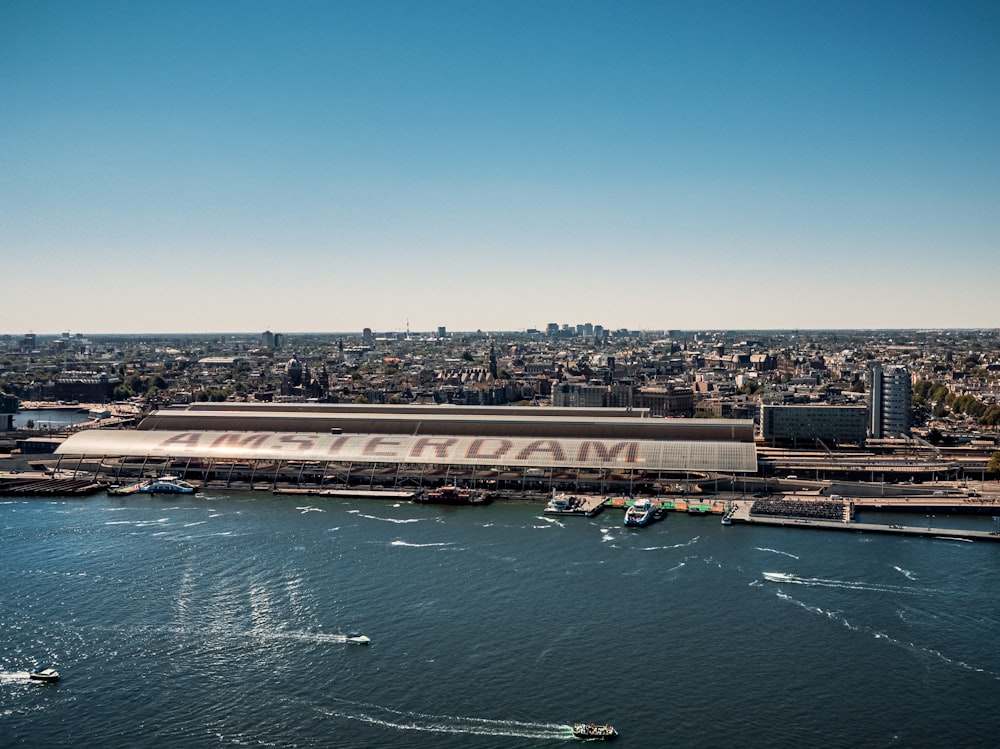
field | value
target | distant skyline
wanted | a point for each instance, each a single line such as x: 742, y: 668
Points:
x: 320, y: 166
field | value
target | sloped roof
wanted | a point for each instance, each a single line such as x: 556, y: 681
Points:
x: 547, y: 452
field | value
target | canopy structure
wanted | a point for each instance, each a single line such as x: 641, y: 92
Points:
x: 412, y: 449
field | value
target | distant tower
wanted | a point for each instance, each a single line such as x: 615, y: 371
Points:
x: 493, y: 362
x: 267, y: 339
x: 889, y: 401
x: 367, y: 337
x: 294, y: 370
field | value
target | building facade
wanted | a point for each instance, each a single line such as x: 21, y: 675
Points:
x: 890, y: 401
x: 832, y: 425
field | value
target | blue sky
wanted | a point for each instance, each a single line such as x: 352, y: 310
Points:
x: 328, y: 166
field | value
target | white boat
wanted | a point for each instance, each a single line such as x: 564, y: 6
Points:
x: 779, y: 577
x: 167, y: 485
x: 639, y: 513
x: 46, y: 674
x: 356, y: 638
x: 574, y: 504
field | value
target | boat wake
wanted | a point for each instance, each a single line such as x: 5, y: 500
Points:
x: 818, y: 582
x: 384, y: 520
x: 888, y: 639
x: 775, y: 551
x: 420, y: 546
x: 404, y: 720
x: 12, y: 677
x: 672, y: 546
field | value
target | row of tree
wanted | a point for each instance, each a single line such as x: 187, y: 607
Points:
x: 943, y: 401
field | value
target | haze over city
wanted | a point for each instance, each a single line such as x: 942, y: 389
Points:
x: 322, y: 166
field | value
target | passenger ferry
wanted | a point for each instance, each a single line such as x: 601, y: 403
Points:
x: 167, y: 485
x: 641, y: 512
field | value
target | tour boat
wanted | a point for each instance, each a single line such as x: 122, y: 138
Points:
x: 593, y: 731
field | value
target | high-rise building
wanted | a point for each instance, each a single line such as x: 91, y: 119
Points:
x: 889, y: 401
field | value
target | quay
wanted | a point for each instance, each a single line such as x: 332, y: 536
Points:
x: 387, y: 494
x: 739, y: 512
x: 692, y: 507
x: 48, y: 486
x: 580, y: 505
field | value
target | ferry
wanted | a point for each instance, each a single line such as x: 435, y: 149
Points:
x: 641, y: 512
x: 167, y: 485
x: 593, y: 732
x: 572, y: 504
x: 453, y: 495
x: 46, y: 674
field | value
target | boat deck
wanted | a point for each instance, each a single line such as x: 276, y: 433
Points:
x: 586, y: 505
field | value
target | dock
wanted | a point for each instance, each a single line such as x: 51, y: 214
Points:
x: 705, y: 506
x: 49, y: 486
x: 739, y: 513
x: 581, y: 505
x: 387, y: 494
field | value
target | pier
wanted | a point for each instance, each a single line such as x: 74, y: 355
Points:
x: 706, y: 506
x: 48, y: 486
x: 739, y: 512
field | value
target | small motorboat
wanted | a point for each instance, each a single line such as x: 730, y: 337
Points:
x: 46, y: 674
x: 593, y: 732
x: 356, y: 638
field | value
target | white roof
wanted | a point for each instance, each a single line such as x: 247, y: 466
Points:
x: 622, y: 454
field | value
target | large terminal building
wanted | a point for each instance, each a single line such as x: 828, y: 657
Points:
x: 501, y: 450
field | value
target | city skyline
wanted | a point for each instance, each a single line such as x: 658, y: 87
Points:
x: 182, y: 168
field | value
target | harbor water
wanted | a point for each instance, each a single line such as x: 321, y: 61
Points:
x: 220, y: 620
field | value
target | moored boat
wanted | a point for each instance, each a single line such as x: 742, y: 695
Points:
x: 46, y: 674
x: 167, y: 485
x: 641, y: 512
x: 593, y: 731
x: 453, y: 495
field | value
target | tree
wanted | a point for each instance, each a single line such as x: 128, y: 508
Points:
x: 993, y: 466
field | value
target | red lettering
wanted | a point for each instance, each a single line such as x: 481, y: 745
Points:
x: 296, y: 441
x: 552, y: 448
x: 476, y: 452
x: 231, y: 439
x: 607, y: 454
x: 190, y: 439
x: 371, y: 447
x: 337, y: 443
x: 440, y: 446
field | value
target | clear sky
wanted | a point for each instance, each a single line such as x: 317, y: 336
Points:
x: 327, y: 166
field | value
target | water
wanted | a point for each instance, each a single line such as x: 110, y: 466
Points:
x: 219, y: 620
x: 56, y: 418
